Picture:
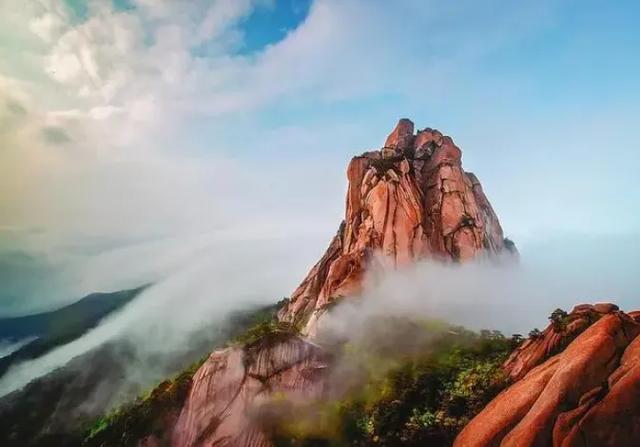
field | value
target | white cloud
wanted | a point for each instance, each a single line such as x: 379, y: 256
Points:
x: 172, y: 133
x: 145, y: 113
x: 213, y: 277
x: 499, y: 294
x: 170, y: 130
x: 47, y: 26
x: 222, y: 14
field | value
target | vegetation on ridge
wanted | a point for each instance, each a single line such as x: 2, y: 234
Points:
x: 147, y: 415
x: 397, y: 381
x: 154, y: 411
x: 409, y: 383
x: 407, y: 393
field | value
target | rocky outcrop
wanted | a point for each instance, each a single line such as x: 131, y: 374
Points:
x: 554, y: 339
x: 410, y: 200
x: 232, y: 385
x: 584, y: 395
x: 610, y: 414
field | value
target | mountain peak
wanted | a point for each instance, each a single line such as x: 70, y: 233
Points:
x: 408, y: 201
x: 411, y: 200
x: 401, y: 137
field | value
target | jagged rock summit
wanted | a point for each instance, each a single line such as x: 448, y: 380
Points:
x: 408, y: 201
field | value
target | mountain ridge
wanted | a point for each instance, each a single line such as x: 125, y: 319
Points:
x: 47, y: 330
x: 574, y: 385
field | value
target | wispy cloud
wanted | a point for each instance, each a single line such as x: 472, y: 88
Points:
x: 197, y: 286
x: 120, y: 126
x: 116, y: 100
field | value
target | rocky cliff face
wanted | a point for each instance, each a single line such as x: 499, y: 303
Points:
x: 229, y: 389
x: 409, y: 200
x: 583, y: 395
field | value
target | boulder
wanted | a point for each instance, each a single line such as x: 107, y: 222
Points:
x: 401, y: 138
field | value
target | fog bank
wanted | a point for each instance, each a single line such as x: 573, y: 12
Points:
x: 513, y: 297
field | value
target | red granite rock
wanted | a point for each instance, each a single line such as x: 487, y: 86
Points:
x: 229, y: 389
x: 412, y: 204
x: 409, y: 201
x: 534, y: 351
x: 585, y: 395
x: 401, y: 138
x: 610, y: 416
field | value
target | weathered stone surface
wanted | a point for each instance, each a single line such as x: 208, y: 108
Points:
x: 401, y: 138
x: 229, y: 389
x: 586, y: 395
x: 412, y: 203
x: 609, y: 416
x: 553, y: 340
x: 410, y: 200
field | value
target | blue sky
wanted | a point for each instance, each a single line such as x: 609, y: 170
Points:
x: 271, y: 23
x: 133, y: 121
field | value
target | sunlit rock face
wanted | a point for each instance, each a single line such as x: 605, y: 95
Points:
x: 408, y: 201
x: 233, y: 384
x: 584, y: 395
x: 554, y: 339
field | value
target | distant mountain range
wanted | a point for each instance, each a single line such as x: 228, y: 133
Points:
x: 48, y: 330
x: 58, y: 408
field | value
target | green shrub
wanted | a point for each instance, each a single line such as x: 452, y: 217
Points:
x: 264, y: 330
x: 535, y: 333
x: 559, y: 319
